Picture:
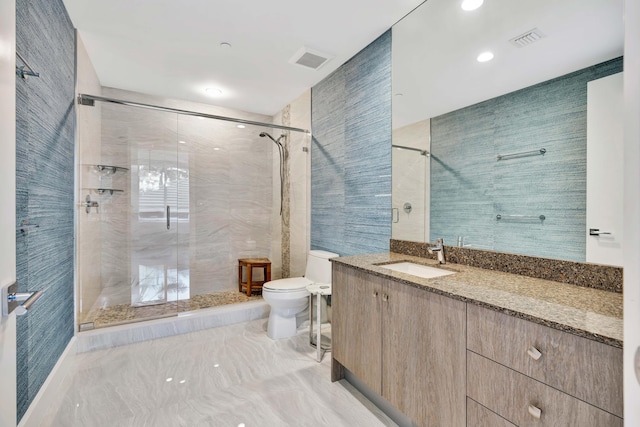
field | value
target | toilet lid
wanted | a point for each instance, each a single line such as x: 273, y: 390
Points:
x: 290, y: 284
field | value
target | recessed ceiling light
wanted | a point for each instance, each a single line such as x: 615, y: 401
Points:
x: 471, y: 4
x: 212, y: 91
x: 225, y: 45
x: 241, y: 126
x: 399, y: 94
x: 182, y: 142
x: 485, y: 56
x: 216, y: 149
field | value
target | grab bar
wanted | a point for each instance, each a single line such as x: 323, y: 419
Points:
x: 540, y: 217
x: 524, y: 153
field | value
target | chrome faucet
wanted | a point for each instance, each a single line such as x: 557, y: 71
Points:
x: 439, y: 248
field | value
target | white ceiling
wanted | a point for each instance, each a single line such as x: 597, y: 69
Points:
x: 435, y: 50
x: 171, y: 48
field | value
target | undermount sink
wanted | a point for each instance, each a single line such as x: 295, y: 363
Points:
x: 419, y: 270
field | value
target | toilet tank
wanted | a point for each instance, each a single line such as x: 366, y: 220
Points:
x: 319, y: 267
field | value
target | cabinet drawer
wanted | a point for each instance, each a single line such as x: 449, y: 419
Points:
x: 514, y: 396
x: 586, y: 369
x: 479, y: 416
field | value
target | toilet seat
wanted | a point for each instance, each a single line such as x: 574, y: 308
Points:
x: 291, y: 284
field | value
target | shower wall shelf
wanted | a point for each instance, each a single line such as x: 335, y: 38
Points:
x: 111, y: 169
x: 104, y: 190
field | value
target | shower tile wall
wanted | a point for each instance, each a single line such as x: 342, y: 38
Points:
x: 291, y: 247
x: 229, y: 193
x: 300, y: 179
x: 351, y: 154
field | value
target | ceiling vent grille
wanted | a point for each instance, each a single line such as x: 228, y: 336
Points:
x: 527, y: 38
x: 309, y: 58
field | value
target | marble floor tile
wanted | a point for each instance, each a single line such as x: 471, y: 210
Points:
x: 228, y: 376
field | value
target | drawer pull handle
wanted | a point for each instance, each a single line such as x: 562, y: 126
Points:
x: 534, y: 353
x: 385, y: 298
x: 375, y: 294
x: 535, y: 412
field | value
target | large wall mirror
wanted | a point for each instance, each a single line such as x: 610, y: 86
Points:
x: 520, y: 153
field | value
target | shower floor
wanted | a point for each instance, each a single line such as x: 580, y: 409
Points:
x: 125, y: 313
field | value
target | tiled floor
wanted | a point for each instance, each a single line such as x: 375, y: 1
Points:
x: 229, y: 376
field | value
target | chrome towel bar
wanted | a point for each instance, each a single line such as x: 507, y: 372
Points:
x: 524, y: 217
x: 29, y: 299
x: 522, y: 154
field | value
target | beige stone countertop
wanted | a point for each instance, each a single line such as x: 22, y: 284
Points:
x: 586, y: 312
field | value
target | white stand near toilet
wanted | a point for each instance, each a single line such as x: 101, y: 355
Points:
x: 288, y: 297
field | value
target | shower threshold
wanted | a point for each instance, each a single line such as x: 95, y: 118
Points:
x: 126, y: 313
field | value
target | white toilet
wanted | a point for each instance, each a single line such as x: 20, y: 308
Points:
x: 288, y: 297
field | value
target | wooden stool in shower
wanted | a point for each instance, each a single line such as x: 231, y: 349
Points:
x: 250, y: 264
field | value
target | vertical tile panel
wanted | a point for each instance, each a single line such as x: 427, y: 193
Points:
x: 327, y: 162
x: 351, y: 154
x: 45, y: 187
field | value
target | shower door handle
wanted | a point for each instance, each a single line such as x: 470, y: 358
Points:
x: 168, y: 217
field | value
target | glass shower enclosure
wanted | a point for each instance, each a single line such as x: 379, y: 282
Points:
x: 169, y: 202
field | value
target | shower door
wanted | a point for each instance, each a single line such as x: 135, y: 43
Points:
x: 140, y: 233
x: 158, y: 187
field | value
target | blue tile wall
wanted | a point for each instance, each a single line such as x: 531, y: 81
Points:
x: 469, y: 187
x: 351, y: 154
x: 44, y: 188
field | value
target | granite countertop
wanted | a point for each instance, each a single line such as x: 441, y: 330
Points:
x: 591, y: 313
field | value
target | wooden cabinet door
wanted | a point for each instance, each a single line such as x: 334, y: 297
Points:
x: 356, y: 323
x: 424, y: 355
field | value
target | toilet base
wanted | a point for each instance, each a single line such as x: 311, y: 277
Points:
x: 281, y: 326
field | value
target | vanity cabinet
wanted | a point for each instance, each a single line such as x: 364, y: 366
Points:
x: 531, y: 374
x: 406, y: 344
x: 356, y: 324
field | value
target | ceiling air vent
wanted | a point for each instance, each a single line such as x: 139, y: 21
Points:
x: 527, y: 38
x: 309, y: 58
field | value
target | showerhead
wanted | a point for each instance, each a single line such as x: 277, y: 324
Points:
x: 263, y: 134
